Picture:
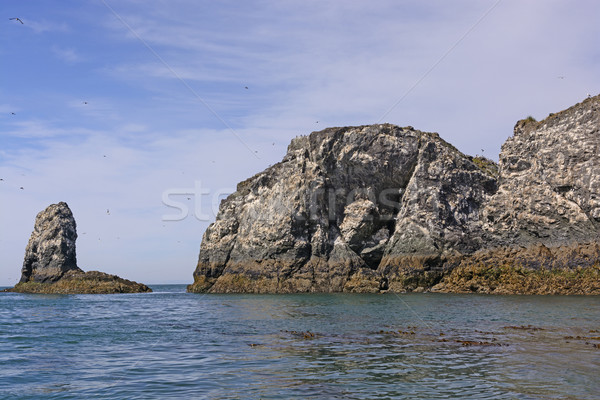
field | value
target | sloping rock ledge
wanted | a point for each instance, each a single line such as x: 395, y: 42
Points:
x: 79, y: 282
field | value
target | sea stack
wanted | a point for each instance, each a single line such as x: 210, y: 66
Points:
x: 384, y: 208
x: 50, y: 252
x: 50, y: 264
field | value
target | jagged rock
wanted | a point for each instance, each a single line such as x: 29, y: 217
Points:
x: 50, y: 264
x: 381, y: 207
x: 341, y: 201
x: 549, y: 181
x: 542, y: 227
x: 51, y: 248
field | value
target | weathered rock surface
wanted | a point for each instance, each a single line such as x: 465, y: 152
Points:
x: 550, y: 180
x: 79, y: 282
x: 50, y: 252
x: 341, y: 201
x: 380, y: 207
x: 50, y: 264
x: 535, y: 269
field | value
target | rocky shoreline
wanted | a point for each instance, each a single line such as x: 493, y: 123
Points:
x: 383, y: 208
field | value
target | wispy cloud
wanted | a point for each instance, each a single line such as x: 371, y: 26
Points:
x: 36, y: 129
x: 45, y: 26
x: 68, y: 55
x: 8, y: 109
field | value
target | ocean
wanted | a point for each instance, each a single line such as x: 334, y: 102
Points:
x: 170, y: 344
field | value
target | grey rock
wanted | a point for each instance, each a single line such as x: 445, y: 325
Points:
x: 341, y: 201
x: 380, y: 207
x: 50, y: 252
x: 549, y: 188
x: 50, y: 264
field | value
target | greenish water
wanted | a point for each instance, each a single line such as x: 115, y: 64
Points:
x: 171, y: 344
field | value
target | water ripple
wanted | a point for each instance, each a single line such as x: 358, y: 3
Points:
x: 170, y: 344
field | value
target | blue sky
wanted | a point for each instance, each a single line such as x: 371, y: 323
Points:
x: 118, y: 104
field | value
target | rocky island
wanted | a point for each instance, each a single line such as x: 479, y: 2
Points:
x: 385, y: 208
x: 50, y: 264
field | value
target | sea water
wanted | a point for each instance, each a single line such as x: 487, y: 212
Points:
x: 173, y: 345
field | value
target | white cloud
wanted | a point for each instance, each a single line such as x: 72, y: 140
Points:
x: 44, y: 26
x: 68, y: 55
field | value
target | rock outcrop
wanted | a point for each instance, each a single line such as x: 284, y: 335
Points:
x: 344, y: 204
x: 50, y: 252
x: 372, y: 208
x: 542, y: 227
x: 50, y: 264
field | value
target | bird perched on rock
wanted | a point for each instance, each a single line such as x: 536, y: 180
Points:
x: 16, y: 19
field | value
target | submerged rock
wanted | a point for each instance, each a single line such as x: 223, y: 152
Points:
x: 50, y: 264
x: 379, y: 207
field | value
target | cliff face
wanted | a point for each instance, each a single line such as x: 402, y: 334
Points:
x: 50, y: 264
x: 343, y: 203
x: 380, y: 207
x: 550, y: 180
x: 542, y: 227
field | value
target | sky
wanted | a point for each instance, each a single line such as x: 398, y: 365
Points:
x: 143, y: 114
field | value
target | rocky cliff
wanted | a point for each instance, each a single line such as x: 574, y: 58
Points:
x: 542, y: 227
x: 380, y: 207
x: 50, y: 264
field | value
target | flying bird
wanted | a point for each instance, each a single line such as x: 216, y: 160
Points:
x: 561, y: 77
x: 21, y: 188
x: 12, y: 113
x: 16, y: 19
x: 245, y: 87
x: 108, y: 211
x: 85, y: 102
